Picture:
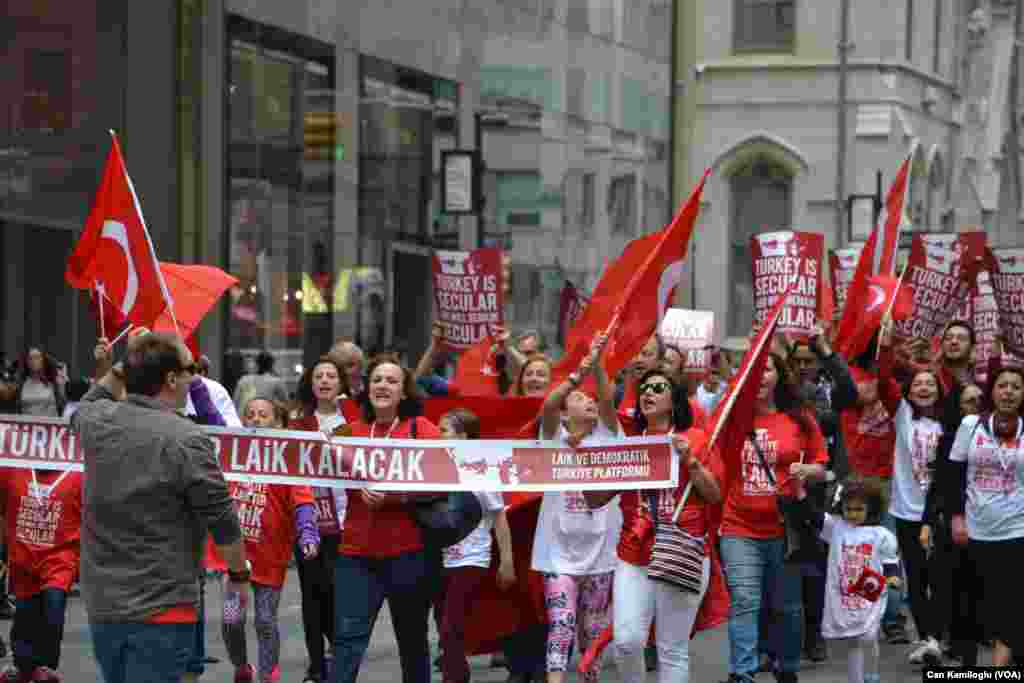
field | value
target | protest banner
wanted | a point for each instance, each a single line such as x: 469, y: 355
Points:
x: 941, y: 273
x: 982, y: 312
x: 570, y: 308
x: 468, y: 293
x: 1008, y: 288
x: 311, y: 459
x: 778, y: 258
x: 843, y: 265
x: 692, y: 332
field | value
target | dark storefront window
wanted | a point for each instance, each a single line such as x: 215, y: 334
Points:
x: 280, y: 197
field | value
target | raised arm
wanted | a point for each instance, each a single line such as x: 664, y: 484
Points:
x: 605, y: 391
x: 426, y: 363
x: 844, y: 389
x: 888, y: 388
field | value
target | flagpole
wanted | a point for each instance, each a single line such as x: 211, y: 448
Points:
x: 103, y: 327
x: 892, y: 304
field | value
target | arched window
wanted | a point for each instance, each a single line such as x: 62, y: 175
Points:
x: 762, y: 201
x: 917, y: 206
x: 936, y: 187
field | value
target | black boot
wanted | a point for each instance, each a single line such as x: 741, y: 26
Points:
x: 786, y: 677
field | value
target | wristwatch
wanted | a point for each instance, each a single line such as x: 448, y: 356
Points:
x: 242, y: 576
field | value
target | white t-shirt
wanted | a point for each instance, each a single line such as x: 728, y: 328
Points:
x: 916, y: 443
x: 328, y: 423
x: 475, y: 550
x: 571, y: 538
x: 850, y: 549
x: 995, y: 481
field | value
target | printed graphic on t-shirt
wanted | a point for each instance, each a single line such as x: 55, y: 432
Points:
x: 854, y: 558
x: 38, y: 520
x: 875, y: 421
x: 576, y: 503
x: 922, y: 455
x: 755, y: 479
x: 251, y: 500
x: 994, y: 469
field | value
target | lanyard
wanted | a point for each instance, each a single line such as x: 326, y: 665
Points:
x: 1003, y: 450
x: 37, y: 489
x: 394, y: 424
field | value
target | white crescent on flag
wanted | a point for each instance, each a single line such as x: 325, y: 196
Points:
x: 116, y: 231
x: 877, y: 297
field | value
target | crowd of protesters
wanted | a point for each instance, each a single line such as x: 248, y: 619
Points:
x: 906, y: 476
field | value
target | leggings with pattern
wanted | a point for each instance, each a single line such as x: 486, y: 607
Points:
x: 576, y: 605
x: 266, y: 601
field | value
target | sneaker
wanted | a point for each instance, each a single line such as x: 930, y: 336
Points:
x: 274, y: 676
x: 926, y: 652
x: 10, y: 674
x: 245, y: 674
x: 817, y: 651
x: 44, y: 674
x: 651, y: 658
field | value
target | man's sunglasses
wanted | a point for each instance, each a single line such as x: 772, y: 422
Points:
x: 655, y: 388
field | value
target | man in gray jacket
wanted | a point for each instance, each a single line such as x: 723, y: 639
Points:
x: 152, y: 487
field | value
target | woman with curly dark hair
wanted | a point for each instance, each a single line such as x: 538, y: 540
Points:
x: 786, y: 439
x: 382, y: 554
x: 319, y: 410
x: 41, y: 389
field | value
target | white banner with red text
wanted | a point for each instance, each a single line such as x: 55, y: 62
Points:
x: 311, y: 459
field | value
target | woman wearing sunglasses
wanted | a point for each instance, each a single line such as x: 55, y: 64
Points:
x: 662, y: 408
x: 786, y: 447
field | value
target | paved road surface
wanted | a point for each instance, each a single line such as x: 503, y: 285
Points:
x: 708, y: 653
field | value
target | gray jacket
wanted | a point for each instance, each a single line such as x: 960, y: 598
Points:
x: 153, y: 487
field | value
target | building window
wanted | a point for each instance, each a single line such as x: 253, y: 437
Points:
x: 908, y: 48
x: 765, y: 25
x: 588, y: 188
x: 761, y: 202
x: 622, y: 205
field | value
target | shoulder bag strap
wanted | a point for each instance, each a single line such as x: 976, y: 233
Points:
x: 760, y: 456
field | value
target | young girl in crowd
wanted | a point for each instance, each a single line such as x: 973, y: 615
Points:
x: 862, y: 561
x: 466, y: 563
x: 272, y: 516
x: 318, y: 393
x: 574, y: 545
x: 42, y: 515
x: 916, y: 414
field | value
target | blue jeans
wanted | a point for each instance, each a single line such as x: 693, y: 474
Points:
x: 38, y: 629
x: 142, y: 653
x: 362, y: 585
x: 756, y: 568
x: 197, y: 660
x: 894, y: 615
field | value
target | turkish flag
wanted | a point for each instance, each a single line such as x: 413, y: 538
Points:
x: 107, y: 314
x: 477, y: 371
x: 194, y: 290
x: 869, y: 585
x: 885, y: 294
x: 115, y: 252
x: 878, y: 257
x: 633, y: 293
x: 571, y: 305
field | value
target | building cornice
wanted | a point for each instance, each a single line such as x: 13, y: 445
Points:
x: 789, y: 63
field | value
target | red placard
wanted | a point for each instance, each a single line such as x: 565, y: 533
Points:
x: 982, y: 313
x: 941, y: 280
x: 468, y: 295
x: 778, y: 258
x: 1008, y: 288
x: 843, y: 265
x: 692, y: 332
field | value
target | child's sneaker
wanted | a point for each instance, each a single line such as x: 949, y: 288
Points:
x: 245, y: 674
x: 10, y: 674
x: 274, y: 676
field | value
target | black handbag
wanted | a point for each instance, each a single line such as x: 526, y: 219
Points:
x: 448, y: 518
x: 797, y: 514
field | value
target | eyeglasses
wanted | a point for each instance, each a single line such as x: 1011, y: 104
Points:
x: 655, y: 388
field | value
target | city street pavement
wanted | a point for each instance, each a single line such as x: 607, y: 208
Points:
x: 709, y: 652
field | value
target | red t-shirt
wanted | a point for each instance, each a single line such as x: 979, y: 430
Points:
x: 628, y: 406
x: 750, y: 508
x: 868, y: 430
x: 43, y: 531
x: 693, y: 519
x: 266, y: 513
x: 390, y: 530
